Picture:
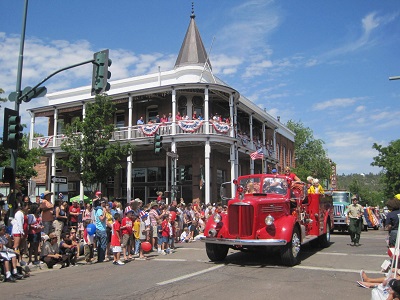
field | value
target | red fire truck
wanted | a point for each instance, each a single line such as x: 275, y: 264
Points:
x: 269, y: 211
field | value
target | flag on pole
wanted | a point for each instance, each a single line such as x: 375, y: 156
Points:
x: 257, y: 154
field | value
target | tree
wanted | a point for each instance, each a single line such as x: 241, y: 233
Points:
x: 311, y: 157
x: 2, y: 99
x: 88, y: 146
x: 388, y: 159
x: 26, y: 162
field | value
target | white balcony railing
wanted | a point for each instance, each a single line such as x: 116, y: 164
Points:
x: 137, y: 132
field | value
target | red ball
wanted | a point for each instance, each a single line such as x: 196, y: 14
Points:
x: 146, y: 246
x: 172, y: 216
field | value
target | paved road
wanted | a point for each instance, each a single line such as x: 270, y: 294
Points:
x: 329, y: 273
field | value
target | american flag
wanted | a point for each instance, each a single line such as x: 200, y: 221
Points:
x: 257, y: 154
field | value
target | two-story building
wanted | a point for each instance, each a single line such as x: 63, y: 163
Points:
x: 211, y: 132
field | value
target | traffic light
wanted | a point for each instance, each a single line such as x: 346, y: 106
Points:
x: 7, y: 174
x: 157, y: 143
x: 100, y: 74
x: 12, y: 129
x: 182, y: 174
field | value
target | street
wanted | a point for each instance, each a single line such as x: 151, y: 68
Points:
x: 329, y: 273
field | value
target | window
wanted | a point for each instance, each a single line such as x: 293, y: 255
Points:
x: 119, y: 119
x: 182, y: 105
x: 60, y: 126
x: 152, y: 112
x: 139, y: 175
x: 198, y: 105
x: 284, y: 156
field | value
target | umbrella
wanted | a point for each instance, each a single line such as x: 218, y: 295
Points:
x: 85, y: 199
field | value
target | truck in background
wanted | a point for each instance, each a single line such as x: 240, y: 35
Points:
x: 341, y: 199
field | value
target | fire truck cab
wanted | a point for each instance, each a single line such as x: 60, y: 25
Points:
x: 269, y: 211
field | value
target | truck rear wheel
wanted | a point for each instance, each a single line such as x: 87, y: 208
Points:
x: 290, y: 252
x: 325, y: 239
x: 216, y: 252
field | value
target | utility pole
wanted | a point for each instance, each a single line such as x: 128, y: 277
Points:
x: 14, y: 152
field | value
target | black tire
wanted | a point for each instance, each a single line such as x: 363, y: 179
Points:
x: 325, y: 239
x: 290, y: 252
x: 216, y: 252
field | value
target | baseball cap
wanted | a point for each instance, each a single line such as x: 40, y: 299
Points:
x: 274, y: 171
x: 98, y: 193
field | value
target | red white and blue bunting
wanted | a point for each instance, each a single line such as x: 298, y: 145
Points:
x: 221, y: 128
x: 190, y: 126
x: 149, y: 130
x: 43, y: 142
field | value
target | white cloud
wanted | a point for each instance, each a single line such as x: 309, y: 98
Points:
x: 335, y: 103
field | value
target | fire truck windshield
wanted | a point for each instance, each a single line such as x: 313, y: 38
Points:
x: 275, y: 186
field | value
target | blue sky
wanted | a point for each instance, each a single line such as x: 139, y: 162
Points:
x: 323, y: 63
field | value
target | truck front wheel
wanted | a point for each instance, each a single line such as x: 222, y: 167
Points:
x: 216, y: 252
x: 290, y: 252
x: 325, y: 239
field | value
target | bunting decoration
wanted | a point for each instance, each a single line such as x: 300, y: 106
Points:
x: 149, y: 129
x: 43, y: 142
x: 190, y: 126
x: 221, y: 128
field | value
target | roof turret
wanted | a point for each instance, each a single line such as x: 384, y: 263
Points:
x: 192, y: 50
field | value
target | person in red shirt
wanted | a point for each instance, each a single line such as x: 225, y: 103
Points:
x: 165, y: 233
x: 291, y: 175
x: 116, y: 239
x: 126, y: 233
x: 74, y: 212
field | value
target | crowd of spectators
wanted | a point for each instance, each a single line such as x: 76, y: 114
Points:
x: 56, y: 235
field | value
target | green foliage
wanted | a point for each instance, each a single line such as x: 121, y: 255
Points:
x: 369, y: 187
x: 311, y: 157
x: 26, y: 161
x: 388, y: 159
x: 88, y: 146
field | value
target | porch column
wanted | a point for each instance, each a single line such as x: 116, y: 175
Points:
x: 55, y: 126
x: 173, y: 168
x: 264, y: 149
x: 173, y: 131
x: 231, y: 115
x: 81, y: 188
x: 251, y: 143
x: 32, y: 130
x: 232, y: 160
x: 53, y: 173
x: 206, y: 112
x: 129, y: 158
x: 207, y: 171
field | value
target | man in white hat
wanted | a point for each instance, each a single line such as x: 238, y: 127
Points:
x: 47, y: 212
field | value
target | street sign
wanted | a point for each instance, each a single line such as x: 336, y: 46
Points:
x: 59, y: 179
x: 172, y: 154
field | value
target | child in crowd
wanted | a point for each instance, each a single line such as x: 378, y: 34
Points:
x: 126, y: 232
x: 88, y: 241
x: 185, y: 237
x: 165, y: 234
x: 159, y: 236
x: 116, y: 239
x: 144, y: 235
x: 136, y: 234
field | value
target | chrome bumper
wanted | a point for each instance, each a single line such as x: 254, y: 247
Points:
x: 238, y: 242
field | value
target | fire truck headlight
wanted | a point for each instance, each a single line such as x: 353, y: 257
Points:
x: 269, y: 220
x: 217, y: 218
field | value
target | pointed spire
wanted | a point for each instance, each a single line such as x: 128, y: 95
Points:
x: 192, y: 50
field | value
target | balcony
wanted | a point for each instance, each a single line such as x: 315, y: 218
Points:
x: 137, y: 133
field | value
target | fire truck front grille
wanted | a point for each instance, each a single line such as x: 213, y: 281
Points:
x: 271, y: 209
x: 241, y: 218
x: 338, y: 210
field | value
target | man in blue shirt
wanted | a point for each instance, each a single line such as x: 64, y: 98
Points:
x: 101, y: 235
